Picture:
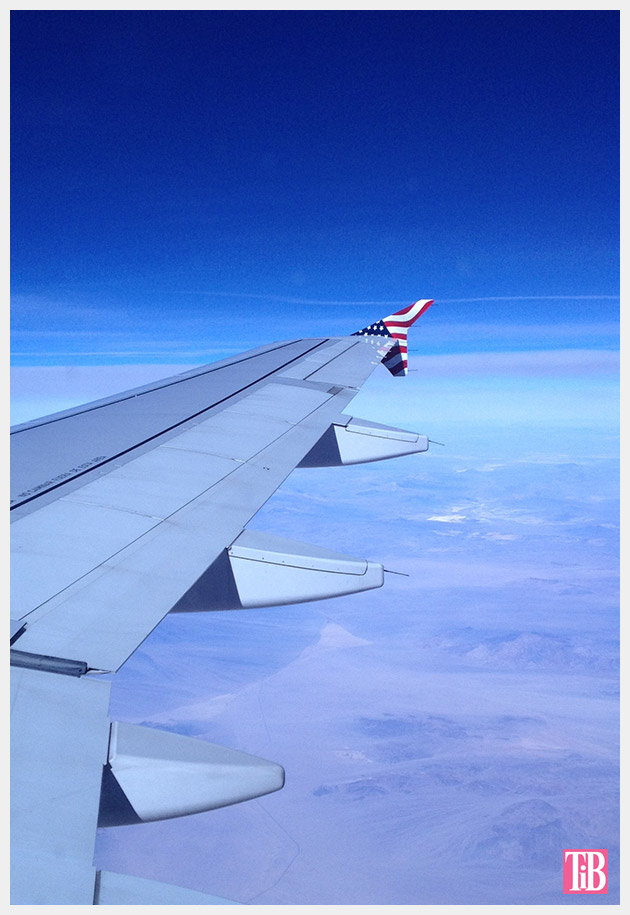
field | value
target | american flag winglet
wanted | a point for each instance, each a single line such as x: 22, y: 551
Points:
x: 396, y: 326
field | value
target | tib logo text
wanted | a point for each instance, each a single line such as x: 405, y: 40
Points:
x: 585, y: 870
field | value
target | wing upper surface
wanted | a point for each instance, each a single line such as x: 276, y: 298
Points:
x: 58, y: 452
x: 104, y: 537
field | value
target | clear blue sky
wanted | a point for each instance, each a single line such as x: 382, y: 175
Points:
x: 185, y: 179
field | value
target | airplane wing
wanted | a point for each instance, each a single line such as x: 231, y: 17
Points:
x: 138, y: 505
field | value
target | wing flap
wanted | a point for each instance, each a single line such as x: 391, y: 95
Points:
x: 351, y: 368
x: 315, y: 360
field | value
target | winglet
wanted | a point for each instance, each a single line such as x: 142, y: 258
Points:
x: 396, y: 326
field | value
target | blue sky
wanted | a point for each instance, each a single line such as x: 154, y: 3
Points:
x: 189, y: 185
x: 182, y: 180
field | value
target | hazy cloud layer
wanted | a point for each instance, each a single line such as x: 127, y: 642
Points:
x: 573, y: 385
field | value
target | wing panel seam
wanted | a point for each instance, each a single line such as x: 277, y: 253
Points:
x: 26, y: 501
x: 109, y: 401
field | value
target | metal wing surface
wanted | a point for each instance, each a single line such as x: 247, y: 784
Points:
x: 127, y: 509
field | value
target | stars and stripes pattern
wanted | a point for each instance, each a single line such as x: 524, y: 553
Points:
x: 396, y: 326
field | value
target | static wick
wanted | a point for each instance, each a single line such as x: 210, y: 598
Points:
x: 391, y: 572
x: 437, y: 443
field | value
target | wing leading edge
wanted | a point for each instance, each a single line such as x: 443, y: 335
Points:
x: 104, y: 498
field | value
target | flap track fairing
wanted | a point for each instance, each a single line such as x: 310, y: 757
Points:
x: 157, y: 775
x: 358, y: 441
x: 263, y: 570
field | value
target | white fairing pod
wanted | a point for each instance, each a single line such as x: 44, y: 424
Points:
x: 359, y: 441
x: 273, y: 570
x: 164, y: 775
x: 262, y: 570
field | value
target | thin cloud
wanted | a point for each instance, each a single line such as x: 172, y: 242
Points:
x: 290, y: 300
x: 533, y: 298
x: 295, y: 300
